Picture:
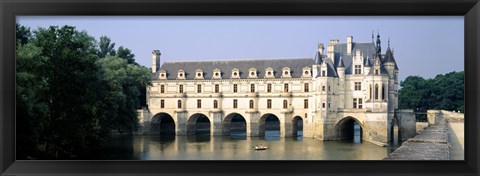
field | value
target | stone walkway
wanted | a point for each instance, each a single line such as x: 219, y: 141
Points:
x: 431, y: 144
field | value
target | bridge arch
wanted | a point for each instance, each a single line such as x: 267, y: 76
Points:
x: 395, y: 132
x: 269, y: 123
x: 297, y: 126
x: 162, y: 123
x: 198, y: 124
x: 234, y: 123
x: 346, y: 129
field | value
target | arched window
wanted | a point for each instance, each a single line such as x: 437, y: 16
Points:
x: 179, y: 104
x: 383, y: 92
x: 376, y: 91
x: 370, y: 92
x: 251, y: 104
x: 285, y: 104
x: 215, y: 104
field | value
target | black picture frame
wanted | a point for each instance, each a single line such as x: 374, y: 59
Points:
x: 9, y: 9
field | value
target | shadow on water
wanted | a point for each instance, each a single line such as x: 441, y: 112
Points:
x: 238, y: 135
x: 199, y: 137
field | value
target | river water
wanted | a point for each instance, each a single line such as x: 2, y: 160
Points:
x: 237, y: 146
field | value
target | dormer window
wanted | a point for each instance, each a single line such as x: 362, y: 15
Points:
x: 269, y: 73
x: 198, y: 74
x: 181, y: 74
x: 235, y: 73
x: 217, y: 74
x: 252, y: 73
x: 286, y: 72
x: 306, y: 72
x: 162, y: 74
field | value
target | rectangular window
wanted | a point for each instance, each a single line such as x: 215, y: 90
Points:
x: 305, y: 103
x: 269, y: 87
x: 252, y: 88
x: 162, y: 103
x: 217, y: 88
x: 358, y: 86
x: 285, y: 87
x: 306, y: 87
x: 328, y: 105
x: 180, y: 88
x: 199, y: 103
x: 323, y: 73
x: 376, y: 71
x: 235, y: 88
x: 354, y: 103
x: 323, y: 88
x: 358, y: 69
x: 323, y: 105
x: 360, y: 103
x: 269, y: 104
x: 199, y: 88
x: 235, y: 103
x: 328, y: 88
x: 162, y: 88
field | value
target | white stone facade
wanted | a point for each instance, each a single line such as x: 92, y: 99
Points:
x: 352, y: 82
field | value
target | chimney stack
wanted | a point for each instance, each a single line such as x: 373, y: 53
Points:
x: 155, y: 60
x: 349, y: 44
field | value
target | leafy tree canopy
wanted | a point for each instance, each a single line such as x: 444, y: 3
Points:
x: 442, y: 92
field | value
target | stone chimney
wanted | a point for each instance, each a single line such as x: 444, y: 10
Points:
x: 155, y: 60
x: 331, y: 49
x: 349, y: 44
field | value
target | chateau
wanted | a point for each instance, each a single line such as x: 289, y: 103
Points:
x: 324, y: 96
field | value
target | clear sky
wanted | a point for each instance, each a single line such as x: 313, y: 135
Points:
x: 424, y: 46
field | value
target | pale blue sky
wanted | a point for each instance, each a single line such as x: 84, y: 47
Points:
x: 424, y: 46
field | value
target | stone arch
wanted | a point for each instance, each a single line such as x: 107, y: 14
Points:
x: 198, y: 123
x: 234, y: 123
x: 162, y: 123
x: 297, y: 125
x: 345, y: 128
x: 395, y: 131
x: 269, y: 122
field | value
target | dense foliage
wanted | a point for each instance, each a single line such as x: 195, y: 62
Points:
x: 72, y: 91
x: 442, y: 92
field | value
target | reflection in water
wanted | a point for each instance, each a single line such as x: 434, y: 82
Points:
x: 236, y: 146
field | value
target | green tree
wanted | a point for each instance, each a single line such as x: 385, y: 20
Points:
x: 124, y: 83
x: 105, y: 47
x: 442, y: 92
x: 72, y: 96
x: 68, y: 99
x: 31, y: 111
x: 126, y: 54
x: 23, y: 34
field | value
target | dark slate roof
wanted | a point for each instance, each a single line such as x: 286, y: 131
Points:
x: 296, y: 67
x: 331, y: 69
x: 383, y: 71
x: 340, y: 63
x: 389, y: 57
x: 367, y: 62
x: 367, y: 49
x: 318, y: 58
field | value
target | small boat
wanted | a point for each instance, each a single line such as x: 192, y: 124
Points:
x: 261, y: 147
